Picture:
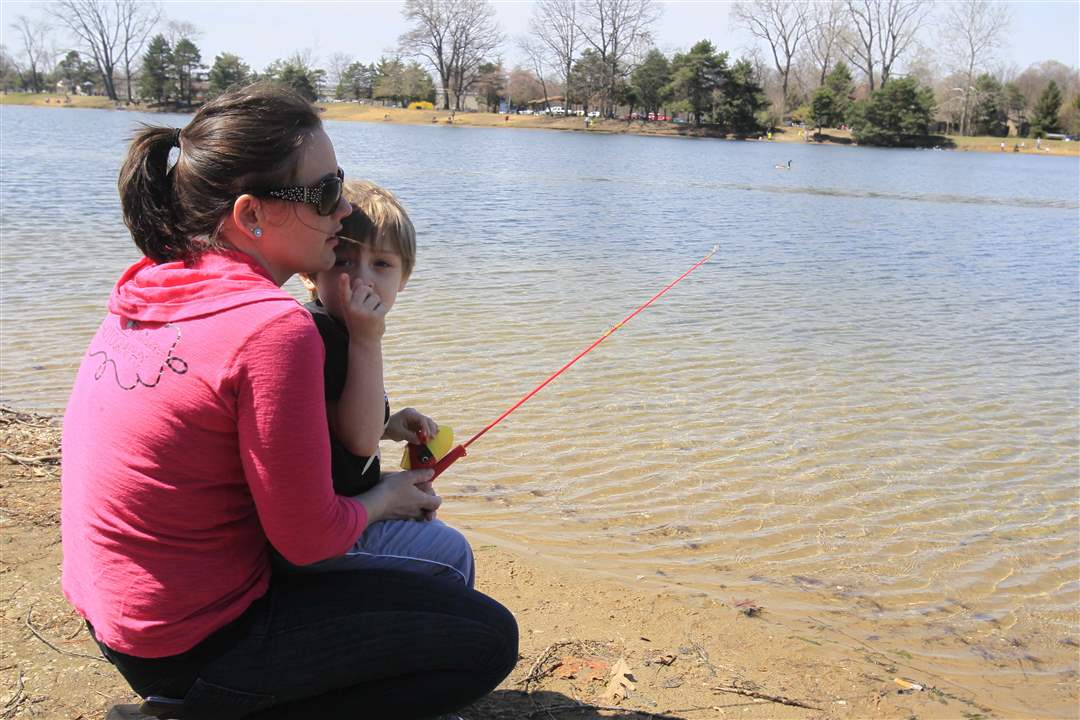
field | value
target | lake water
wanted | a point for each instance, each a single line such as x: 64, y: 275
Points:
x: 863, y: 409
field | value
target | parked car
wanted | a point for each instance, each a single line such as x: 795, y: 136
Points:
x: 558, y: 110
x: 526, y: 111
x: 594, y: 113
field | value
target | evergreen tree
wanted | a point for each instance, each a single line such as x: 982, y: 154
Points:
x: 187, y: 61
x: 1044, y: 118
x: 740, y: 100
x: 650, y: 81
x: 897, y: 114
x: 589, y: 79
x: 490, y: 85
x: 73, y: 72
x: 228, y: 71
x: 825, y: 109
x: 298, y: 75
x: 1016, y: 107
x: 989, y: 115
x: 694, y: 77
x: 356, y: 82
x: 156, y: 82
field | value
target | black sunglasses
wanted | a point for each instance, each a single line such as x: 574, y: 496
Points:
x: 324, y: 195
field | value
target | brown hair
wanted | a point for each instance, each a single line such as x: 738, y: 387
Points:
x: 242, y: 140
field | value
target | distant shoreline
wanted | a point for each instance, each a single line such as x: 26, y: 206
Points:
x: 353, y: 112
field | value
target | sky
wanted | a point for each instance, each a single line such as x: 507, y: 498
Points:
x: 263, y: 31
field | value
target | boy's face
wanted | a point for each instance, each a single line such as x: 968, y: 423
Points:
x: 378, y: 267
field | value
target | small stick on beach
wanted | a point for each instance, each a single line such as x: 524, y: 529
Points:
x: 43, y: 639
x: 780, y: 699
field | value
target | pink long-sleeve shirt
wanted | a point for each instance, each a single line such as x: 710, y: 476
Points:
x: 194, y: 438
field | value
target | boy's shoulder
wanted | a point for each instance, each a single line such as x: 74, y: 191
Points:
x: 329, y: 327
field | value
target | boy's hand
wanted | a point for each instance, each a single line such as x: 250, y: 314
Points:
x: 410, y: 425
x: 365, y: 315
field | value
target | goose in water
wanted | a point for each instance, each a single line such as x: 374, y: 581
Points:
x: 783, y: 167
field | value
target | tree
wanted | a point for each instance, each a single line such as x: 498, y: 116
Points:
x: 897, y: 114
x: 554, y: 25
x: 33, y: 38
x: 879, y: 32
x: 825, y: 22
x: 401, y: 83
x: 455, y: 37
x: 336, y: 65
x: 356, y: 83
x: 9, y: 74
x: 298, y: 73
x: 695, y: 75
x: 1016, y: 107
x: 824, y: 110
x: 1044, y: 118
x: 100, y: 26
x: 537, y: 55
x: 617, y: 30
x: 989, y: 116
x: 491, y: 85
x: 650, y: 81
x: 524, y: 87
x: 227, y: 72
x: 1070, y: 116
x: 782, y: 24
x: 187, y: 61
x: 972, y: 31
x: 73, y: 72
x: 741, y: 98
x: 588, y: 79
x: 137, y: 21
x: 157, y: 81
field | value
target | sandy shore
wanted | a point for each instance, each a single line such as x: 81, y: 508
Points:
x: 590, y: 648
x: 355, y: 112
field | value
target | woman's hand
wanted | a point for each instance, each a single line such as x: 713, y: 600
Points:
x: 398, y: 497
x: 410, y: 425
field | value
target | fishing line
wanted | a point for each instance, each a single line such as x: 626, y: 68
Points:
x: 459, y: 450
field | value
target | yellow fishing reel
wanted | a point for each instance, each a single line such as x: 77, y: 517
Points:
x: 428, y: 454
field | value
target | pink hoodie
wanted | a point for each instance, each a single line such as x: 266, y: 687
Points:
x: 195, y: 436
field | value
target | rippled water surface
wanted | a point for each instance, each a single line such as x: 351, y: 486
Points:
x: 864, y: 408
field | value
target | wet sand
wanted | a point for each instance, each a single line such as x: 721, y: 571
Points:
x: 590, y: 647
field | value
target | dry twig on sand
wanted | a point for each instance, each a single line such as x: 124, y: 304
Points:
x: 45, y: 640
x: 780, y: 699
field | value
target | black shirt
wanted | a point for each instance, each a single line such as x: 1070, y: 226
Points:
x: 348, y: 470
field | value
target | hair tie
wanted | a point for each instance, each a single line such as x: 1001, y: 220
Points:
x: 176, y: 138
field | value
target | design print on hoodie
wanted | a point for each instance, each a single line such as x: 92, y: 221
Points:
x: 139, y: 351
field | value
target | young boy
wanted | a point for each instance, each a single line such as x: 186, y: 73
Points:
x: 349, y: 303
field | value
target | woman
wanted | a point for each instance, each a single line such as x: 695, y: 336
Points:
x: 195, y: 438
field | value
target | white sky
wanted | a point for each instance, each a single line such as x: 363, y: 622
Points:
x: 260, y: 32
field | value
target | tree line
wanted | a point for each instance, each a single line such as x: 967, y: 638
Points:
x: 823, y: 63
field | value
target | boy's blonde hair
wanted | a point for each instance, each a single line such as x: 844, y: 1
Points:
x: 378, y: 219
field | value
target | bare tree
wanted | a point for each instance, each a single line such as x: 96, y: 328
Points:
x: 177, y: 30
x: 617, y: 30
x: 454, y: 36
x: 99, y: 28
x: 137, y: 20
x: 823, y: 37
x: 537, y: 53
x: 554, y: 25
x: 972, y: 30
x: 782, y: 24
x: 335, y: 69
x: 474, y: 36
x: 33, y: 37
x: 880, y: 31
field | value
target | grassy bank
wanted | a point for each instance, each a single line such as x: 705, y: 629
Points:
x: 369, y: 113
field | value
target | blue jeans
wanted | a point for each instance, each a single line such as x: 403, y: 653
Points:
x: 363, y: 643
x: 430, y: 548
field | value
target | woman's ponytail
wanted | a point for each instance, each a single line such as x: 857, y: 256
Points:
x: 247, y: 138
x: 146, y: 194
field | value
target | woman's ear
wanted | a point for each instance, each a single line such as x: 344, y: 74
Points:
x: 246, y: 214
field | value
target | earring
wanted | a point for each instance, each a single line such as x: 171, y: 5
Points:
x: 256, y: 231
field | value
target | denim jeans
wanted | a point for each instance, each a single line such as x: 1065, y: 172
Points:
x: 356, y: 644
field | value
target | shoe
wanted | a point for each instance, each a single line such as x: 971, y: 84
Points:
x: 127, y: 712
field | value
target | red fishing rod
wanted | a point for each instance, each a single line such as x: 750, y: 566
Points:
x: 422, y: 456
